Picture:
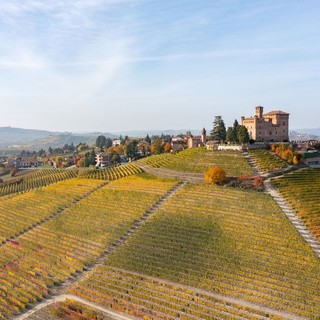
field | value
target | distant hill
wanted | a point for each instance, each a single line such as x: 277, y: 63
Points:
x: 312, y: 131
x: 11, y: 136
x: 31, y: 139
x: 55, y: 141
x: 303, y: 135
x: 143, y: 133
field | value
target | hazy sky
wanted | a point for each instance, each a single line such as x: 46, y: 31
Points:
x: 111, y: 65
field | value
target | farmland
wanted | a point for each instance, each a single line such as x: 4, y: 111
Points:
x: 237, y: 244
x: 68, y: 309
x: 267, y: 161
x: 156, y: 248
x: 302, y: 190
x: 199, y: 160
x: 40, y: 178
x: 36, y: 179
x: 32, y: 263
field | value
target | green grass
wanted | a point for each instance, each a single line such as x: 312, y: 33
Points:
x: 199, y: 160
x: 266, y: 160
x: 233, y: 242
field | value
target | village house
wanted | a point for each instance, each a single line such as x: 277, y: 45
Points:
x: 116, y: 142
x: 269, y: 127
x: 198, y: 141
x: 312, y: 159
x: 26, y: 162
x: 103, y: 159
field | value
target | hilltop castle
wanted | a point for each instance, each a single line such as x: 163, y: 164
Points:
x: 268, y: 127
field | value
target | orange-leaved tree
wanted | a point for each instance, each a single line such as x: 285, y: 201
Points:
x: 215, y: 175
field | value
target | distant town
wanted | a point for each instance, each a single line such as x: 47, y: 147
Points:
x: 258, y: 131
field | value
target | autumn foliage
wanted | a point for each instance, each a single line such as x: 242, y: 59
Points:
x: 286, y: 153
x: 215, y: 175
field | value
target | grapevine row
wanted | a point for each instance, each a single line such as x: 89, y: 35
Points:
x: 36, y: 179
x: 302, y: 190
x: 232, y: 242
x: 33, y: 263
x: 199, y: 160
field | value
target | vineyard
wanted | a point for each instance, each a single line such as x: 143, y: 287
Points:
x: 155, y: 298
x: 38, y: 178
x: 228, y: 242
x: 44, y: 177
x: 68, y: 309
x: 302, y: 190
x: 112, y: 173
x: 32, y: 263
x: 197, y: 252
x: 199, y: 160
x: 22, y: 212
x: 267, y: 161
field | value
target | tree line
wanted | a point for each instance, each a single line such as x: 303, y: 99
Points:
x: 235, y: 134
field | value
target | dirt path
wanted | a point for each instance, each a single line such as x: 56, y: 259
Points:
x: 62, y: 289
x: 293, y: 218
x: 228, y: 299
x: 112, y: 314
x: 59, y: 293
x: 284, y: 205
x: 168, y: 173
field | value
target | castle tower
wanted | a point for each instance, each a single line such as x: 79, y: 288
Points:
x: 259, y: 112
x: 204, y: 136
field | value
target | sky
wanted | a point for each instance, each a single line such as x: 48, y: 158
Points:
x: 114, y: 65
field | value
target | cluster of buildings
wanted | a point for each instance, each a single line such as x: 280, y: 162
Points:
x: 262, y: 127
x: 269, y: 127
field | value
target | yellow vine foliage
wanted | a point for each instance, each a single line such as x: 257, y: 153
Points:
x: 215, y: 175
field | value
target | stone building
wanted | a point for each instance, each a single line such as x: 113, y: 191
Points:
x: 198, y: 141
x: 268, y: 127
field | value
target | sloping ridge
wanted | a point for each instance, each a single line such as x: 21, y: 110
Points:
x: 168, y: 173
x: 284, y: 205
x: 60, y: 293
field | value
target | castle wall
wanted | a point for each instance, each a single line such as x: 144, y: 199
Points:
x: 273, y: 126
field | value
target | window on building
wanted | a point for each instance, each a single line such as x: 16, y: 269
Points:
x: 283, y: 122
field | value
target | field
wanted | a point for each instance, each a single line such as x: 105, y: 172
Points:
x: 44, y: 177
x: 224, y: 241
x: 36, y: 179
x: 68, y: 309
x: 199, y: 160
x: 267, y: 161
x: 112, y: 173
x: 22, y: 212
x: 155, y: 248
x: 302, y: 190
x: 32, y: 263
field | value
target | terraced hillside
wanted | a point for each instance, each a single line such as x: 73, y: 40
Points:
x: 199, y: 160
x: 302, y: 190
x: 113, y: 173
x: 44, y: 177
x: 32, y: 263
x: 22, y: 212
x: 213, y: 245
x: 68, y: 309
x: 36, y: 179
x: 267, y: 161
